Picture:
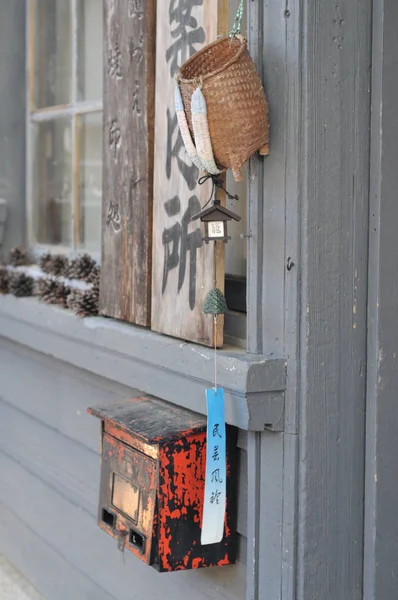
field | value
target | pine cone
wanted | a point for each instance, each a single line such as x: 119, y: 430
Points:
x: 61, y: 294
x: 73, y: 300
x: 56, y: 264
x: 18, y: 257
x: 4, y: 280
x: 59, y: 264
x: 84, y: 303
x: 89, y: 305
x: 45, y: 262
x: 94, y: 275
x: 81, y: 267
x: 215, y: 303
x: 21, y: 285
x: 47, y: 290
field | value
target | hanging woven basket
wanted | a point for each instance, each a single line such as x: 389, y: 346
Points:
x: 237, y: 109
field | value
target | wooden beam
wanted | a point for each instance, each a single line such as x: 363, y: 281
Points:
x: 129, y: 67
x: 381, y: 507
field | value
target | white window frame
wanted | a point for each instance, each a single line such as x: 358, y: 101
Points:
x: 74, y: 110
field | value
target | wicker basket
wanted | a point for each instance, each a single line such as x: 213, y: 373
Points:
x: 237, y: 109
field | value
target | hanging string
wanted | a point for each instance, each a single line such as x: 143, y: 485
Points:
x: 217, y: 183
x: 236, y: 27
x: 215, y: 353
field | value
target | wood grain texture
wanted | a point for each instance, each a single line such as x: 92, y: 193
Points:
x: 129, y: 71
x: 74, y: 535
x: 333, y: 271
x: 381, y: 507
x: 49, y: 398
x: 46, y: 568
x: 63, y: 464
x: 183, y: 265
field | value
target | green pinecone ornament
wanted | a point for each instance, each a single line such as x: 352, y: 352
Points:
x: 215, y: 303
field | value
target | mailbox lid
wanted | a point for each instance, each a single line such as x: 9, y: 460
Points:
x: 151, y: 419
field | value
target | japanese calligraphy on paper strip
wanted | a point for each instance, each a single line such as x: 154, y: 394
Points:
x: 183, y: 265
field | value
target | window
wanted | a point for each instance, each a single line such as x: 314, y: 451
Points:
x: 68, y: 182
x: 65, y: 124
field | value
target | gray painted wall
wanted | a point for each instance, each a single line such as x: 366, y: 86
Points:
x: 12, y: 118
x: 49, y: 465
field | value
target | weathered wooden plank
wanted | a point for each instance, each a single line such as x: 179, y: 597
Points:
x: 381, y: 507
x: 129, y: 72
x: 333, y: 271
x: 65, y: 465
x: 183, y: 265
x: 75, y: 535
x: 56, y: 393
x: 41, y: 564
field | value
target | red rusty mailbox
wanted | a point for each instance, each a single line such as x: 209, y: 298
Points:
x: 153, y: 458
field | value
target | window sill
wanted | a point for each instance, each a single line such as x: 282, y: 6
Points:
x: 171, y: 369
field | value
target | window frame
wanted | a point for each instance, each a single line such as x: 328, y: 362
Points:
x: 74, y: 110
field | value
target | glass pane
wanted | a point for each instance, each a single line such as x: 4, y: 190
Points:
x: 90, y: 181
x: 90, y: 44
x: 52, y: 180
x: 53, y: 53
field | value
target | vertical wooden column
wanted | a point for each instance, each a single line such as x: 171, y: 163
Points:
x: 183, y: 265
x: 129, y: 79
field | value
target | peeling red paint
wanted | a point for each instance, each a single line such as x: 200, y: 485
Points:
x: 197, y: 562
x: 168, y: 467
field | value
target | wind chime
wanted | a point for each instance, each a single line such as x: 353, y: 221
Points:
x: 222, y: 113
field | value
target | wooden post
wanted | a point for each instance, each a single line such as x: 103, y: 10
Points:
x: 129, y: 68
x: 183, y: 265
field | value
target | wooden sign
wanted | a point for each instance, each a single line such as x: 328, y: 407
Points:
x: 183, y: 265
x: 129, y: 78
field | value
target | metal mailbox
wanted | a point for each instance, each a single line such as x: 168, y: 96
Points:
x: 153, y: 458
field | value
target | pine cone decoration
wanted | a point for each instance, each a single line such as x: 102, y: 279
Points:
x: 73, y: 300
x: 47, y: 290
x: 61, y: 294
x: 59, y: 264
x: 4, y: 280
x: 21, y: 285
x: 56, y: 264
x: 53, y: 292
x: 94, y: 275
x: 215, y: 303
x: 84, y: 303
x: 81, y: 267
x: 18, y: 257
x: 45, y: 262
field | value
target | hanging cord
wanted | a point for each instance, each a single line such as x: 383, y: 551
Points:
x: 217, y: 183
x: 236, y: 27
x: 215, y: 353
x: 215, y: 319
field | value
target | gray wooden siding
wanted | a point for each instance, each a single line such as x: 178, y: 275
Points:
x: 49, y: 465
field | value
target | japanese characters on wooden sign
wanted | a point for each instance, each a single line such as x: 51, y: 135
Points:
x: 129, y: 80
x: 183, y: 265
